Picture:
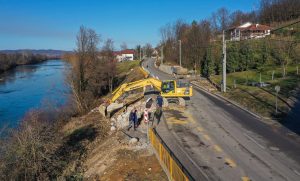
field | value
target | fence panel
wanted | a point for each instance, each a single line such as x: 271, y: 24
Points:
x: 172, y: 165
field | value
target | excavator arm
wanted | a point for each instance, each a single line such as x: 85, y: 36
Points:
x: 135, y: 85
x: 169, y: 89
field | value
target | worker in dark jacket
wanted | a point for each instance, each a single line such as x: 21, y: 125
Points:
x: 131, y: 119
x: 159, y: 104
x: 159, y: 100
x: 135, y: 119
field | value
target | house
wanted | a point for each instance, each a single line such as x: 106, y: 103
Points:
x: 249, y: 31
x: 154, y: 53
x: 124, y: 55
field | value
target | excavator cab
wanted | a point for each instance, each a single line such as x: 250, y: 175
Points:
x: 168, y: 87
x: 176, y: 88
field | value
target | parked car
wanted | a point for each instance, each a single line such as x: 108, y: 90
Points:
x: 259, y: 84
x: 263, y: 84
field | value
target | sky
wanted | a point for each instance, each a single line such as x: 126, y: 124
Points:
x: 53, y: 24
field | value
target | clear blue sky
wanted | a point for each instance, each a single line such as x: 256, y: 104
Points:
x: 53, y: 24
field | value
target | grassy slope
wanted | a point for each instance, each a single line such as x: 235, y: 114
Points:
x: 262, y: 100
x: 124, y: 67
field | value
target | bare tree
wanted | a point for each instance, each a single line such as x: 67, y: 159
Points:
x: 28, y: 152
x: 123, y: 46
x: 109, y: 68
x: 83, y: 68
x: 223, y: 18
x: 279, y: 10
x: 148, y: 49
x: 282, y: 51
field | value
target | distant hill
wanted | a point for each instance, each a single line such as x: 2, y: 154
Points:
x: 48, y: 53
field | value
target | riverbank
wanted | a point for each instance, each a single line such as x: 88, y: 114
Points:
x: 10, y: 59
x: 6, y: 65
x: 78, y: 147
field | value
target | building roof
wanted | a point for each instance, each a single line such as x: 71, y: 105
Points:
x: 127, y: 51
x: 251, y: 27
x: 259, y: 27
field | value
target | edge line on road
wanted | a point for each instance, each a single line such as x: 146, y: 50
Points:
x: 252, y: 139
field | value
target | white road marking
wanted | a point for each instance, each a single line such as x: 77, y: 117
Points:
x: 255, y: 141
x: 296, y: 172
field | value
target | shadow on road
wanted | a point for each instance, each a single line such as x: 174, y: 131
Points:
x: 292, y: 120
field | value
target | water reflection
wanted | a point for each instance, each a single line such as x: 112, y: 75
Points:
x: 28, y: 86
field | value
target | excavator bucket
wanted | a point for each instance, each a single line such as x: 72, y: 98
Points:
x: 102, y: 110
x: 106, y: 110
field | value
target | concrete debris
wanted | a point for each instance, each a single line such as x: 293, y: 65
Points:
x: 114, y: 106
x: 181, y: 101
x: 94, y: 110
x: 102, y: 109
x: 165, y: 104
x: 122, y: 121
x: 113, y: 128
x: 133, y: 141
x: 113, y: 120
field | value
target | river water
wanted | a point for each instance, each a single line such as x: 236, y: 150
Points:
x: 31, y: 86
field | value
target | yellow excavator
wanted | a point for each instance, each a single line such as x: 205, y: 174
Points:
x: 171, y: 90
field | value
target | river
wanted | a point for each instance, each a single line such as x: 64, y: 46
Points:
x: 31, y: 86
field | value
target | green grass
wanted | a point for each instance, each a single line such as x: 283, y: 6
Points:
x: 262, y: 100
x: 123, y: 67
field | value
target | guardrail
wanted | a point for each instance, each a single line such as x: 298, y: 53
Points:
x: 217, y: 86
x: 170, y: 163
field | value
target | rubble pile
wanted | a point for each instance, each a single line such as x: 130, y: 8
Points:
x: 121, y: 119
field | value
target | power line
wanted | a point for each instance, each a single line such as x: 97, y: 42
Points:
x: 290, y: 41
x: 298, y: 21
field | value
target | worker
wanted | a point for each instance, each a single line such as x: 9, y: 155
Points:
x: 159, y: 100
x: 135, y: 119
x: 131, y: 119
x: 159, y: 104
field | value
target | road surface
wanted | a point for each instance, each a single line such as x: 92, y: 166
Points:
x: 216, y: 140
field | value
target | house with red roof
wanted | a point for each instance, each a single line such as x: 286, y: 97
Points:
x: 249, y: 31
x: 124, y: 55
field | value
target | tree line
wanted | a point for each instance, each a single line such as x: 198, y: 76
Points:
x: 11, y: 60
x: 278, y: 10
x: 201, y: 42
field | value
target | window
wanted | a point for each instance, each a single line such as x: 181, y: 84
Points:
x: 168, y: 86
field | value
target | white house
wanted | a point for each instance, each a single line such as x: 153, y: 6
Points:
x: 249, y: 31
x: 124, y: 55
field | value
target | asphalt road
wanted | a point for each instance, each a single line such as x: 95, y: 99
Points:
x: 235, y: 145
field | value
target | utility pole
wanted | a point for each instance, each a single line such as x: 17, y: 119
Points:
x: 277, y: 89
x: 162, y: 55
x: 140, y: 53
x: 224, y: 63
x: 179, y: 52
